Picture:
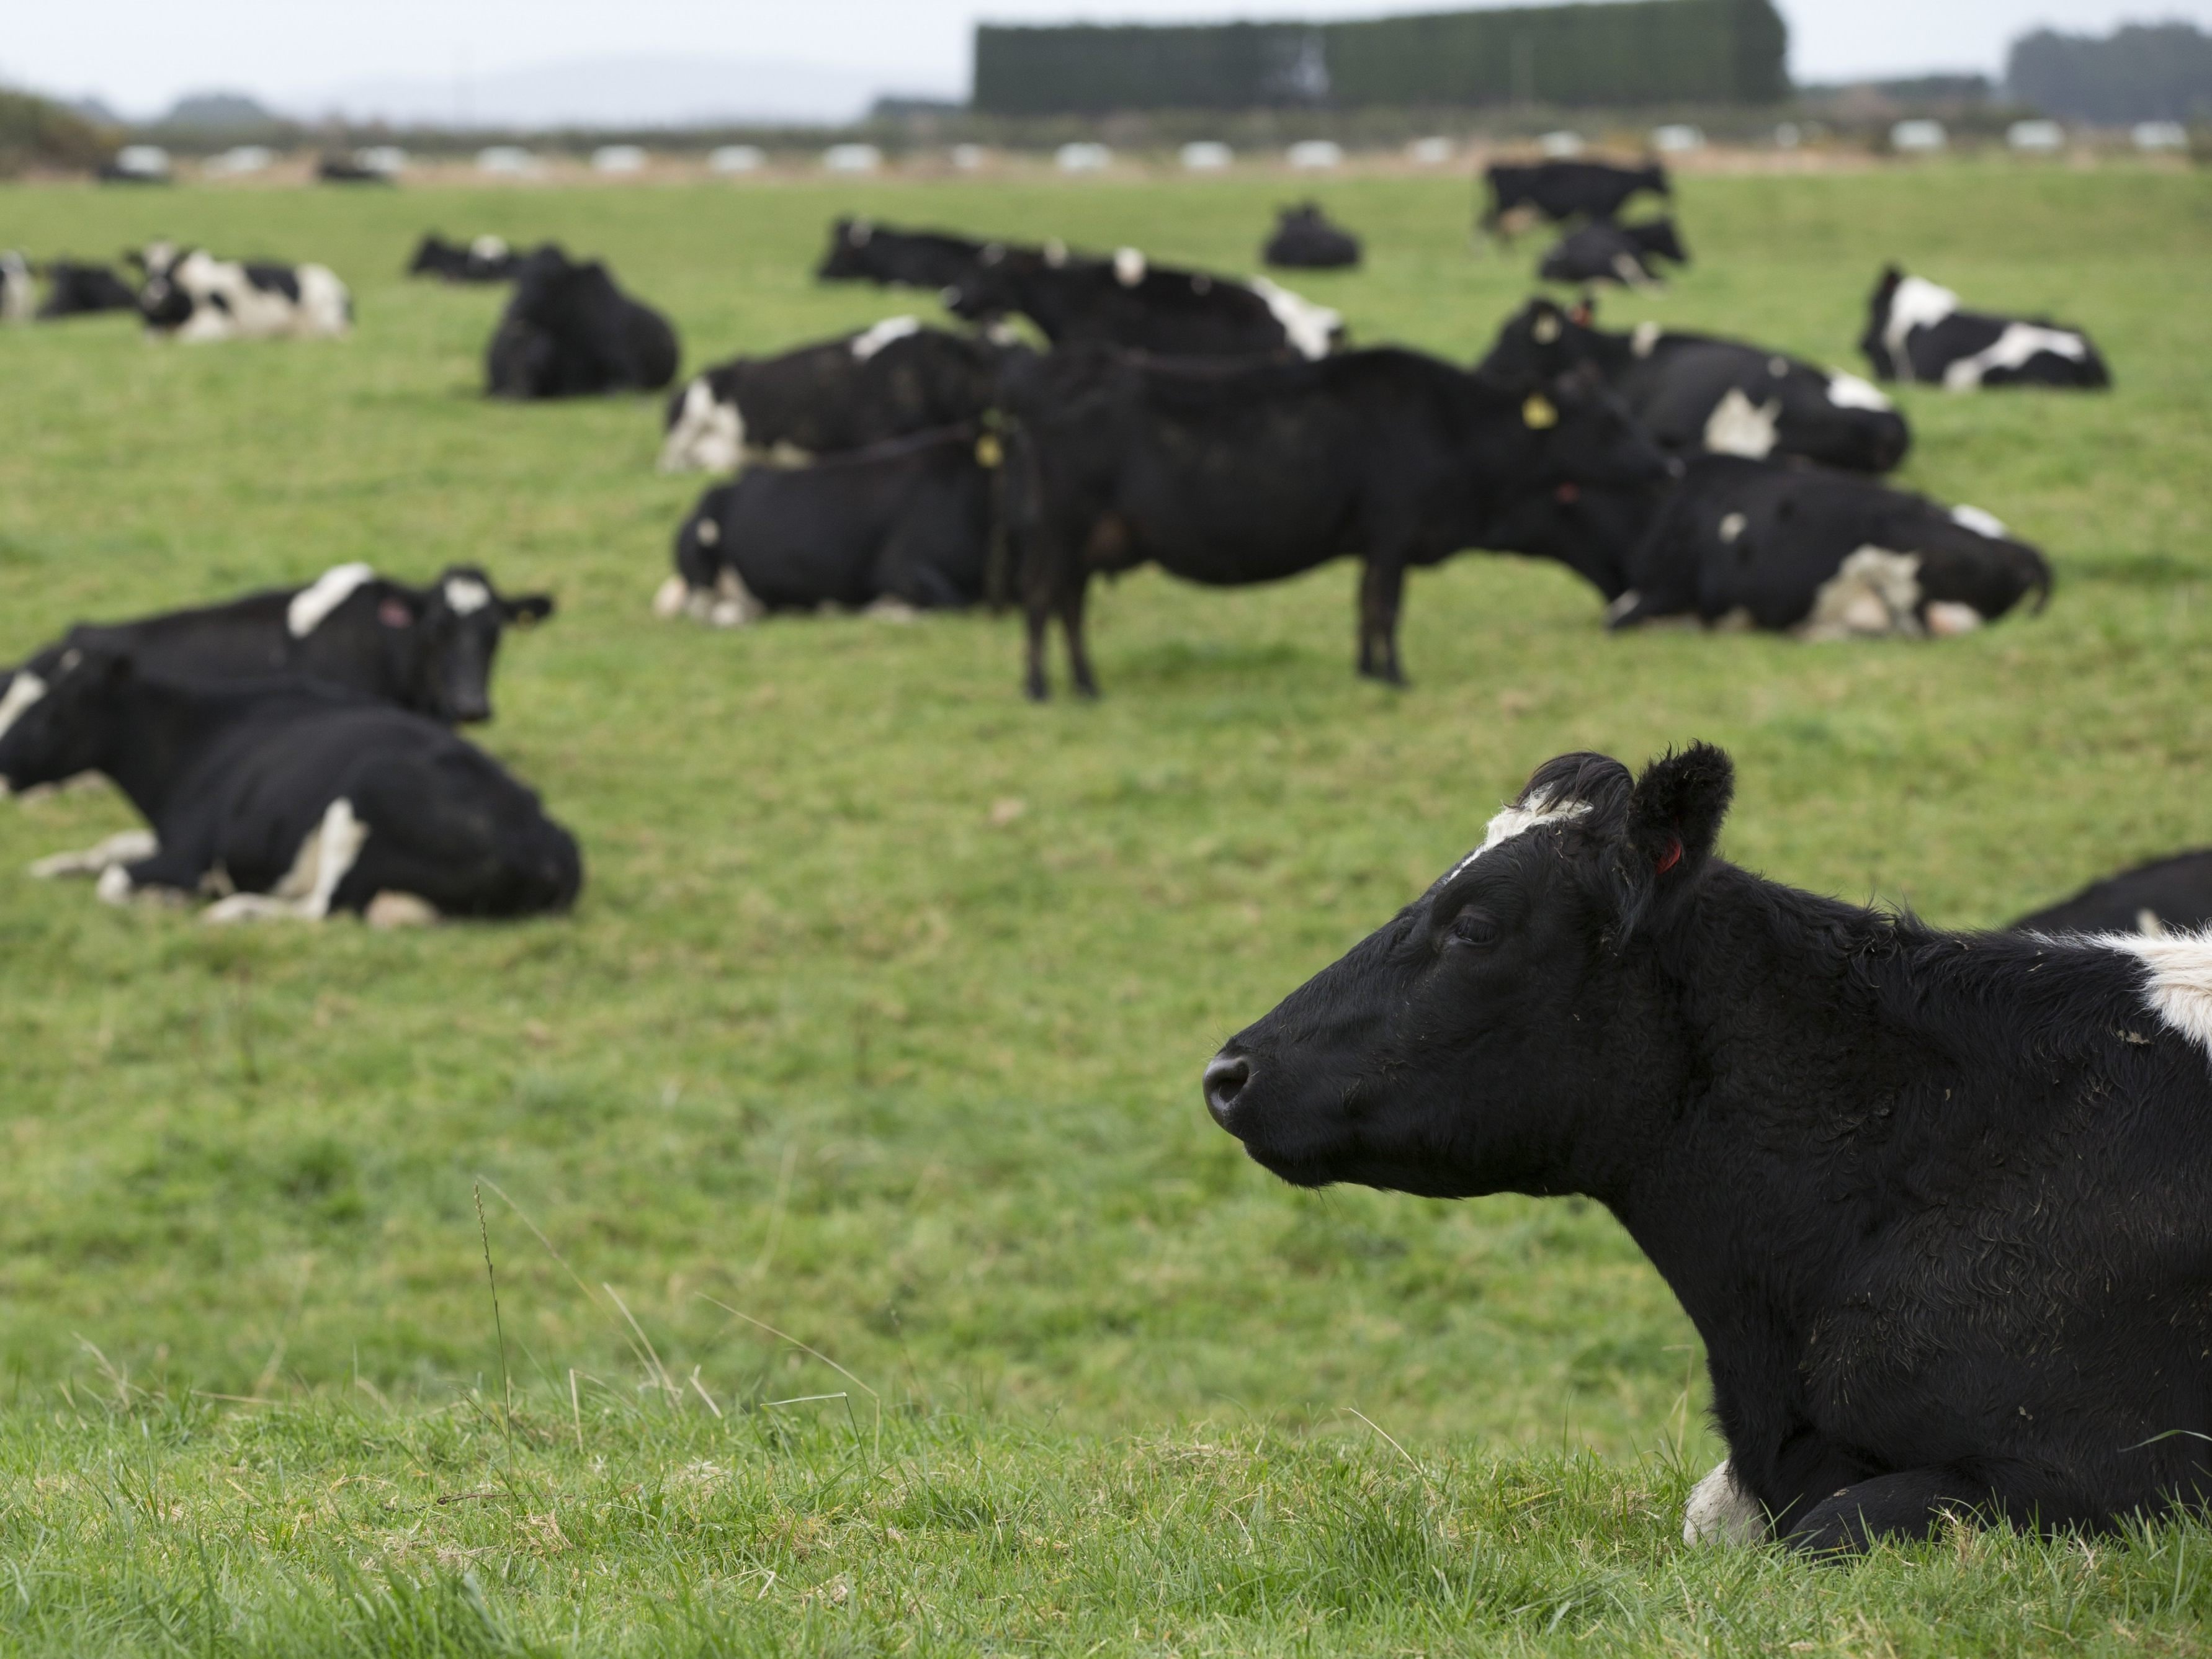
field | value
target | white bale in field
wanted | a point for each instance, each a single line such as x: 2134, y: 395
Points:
x: 618, y: 158
x: 1205, y: 155
x: 389, y: 160
x: 245, y: 158
x: 851, y: 158
x: 1429, y: 152
x: 511, y: 161
x: 1918, y: 138
x: 1788, y: 136
x: 1082, y: 158
x: 1315, y: 154
x: 969, y: 158
x: 142, y: 161
x: 2161, y: 134
x: 1677, y: 138
x: 735, y: 158
x: 2035, y: 137
x: 1560, y: 145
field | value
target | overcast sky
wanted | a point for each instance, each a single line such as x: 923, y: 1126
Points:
x: 140, y: 54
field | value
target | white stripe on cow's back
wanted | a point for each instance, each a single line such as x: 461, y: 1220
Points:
x: 869, y: 341
x: 1519, y: 820
x: 1310, y: 328
x: 25, y: 690
x: 311, y: 605
x: 2178, y: 986
x: 1849, y: 392
x: 2014, y: 349
x: 1720, y: 1511
x: 1918, y: 303
x: 466, y: 595
x: 1981, y: 523
x: 1129, y: 266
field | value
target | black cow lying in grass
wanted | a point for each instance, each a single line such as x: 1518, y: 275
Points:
x: 568, y: 331
x: 861, y: 250
x: 1696, y: 392
x: 486, y: 259
x: 290, y: 797
x: 1916, y: 331
x: 2166, y: 895
x: 1305, y: 240
x: 429, y: 650
x: 1609, y: 253
x: 901, y: 526
x: 1128, y: 301
x: 1932, y: 1201
x: 864, y: 388
x: 1563, y: 191
x: 75, y: 290
x: 1230, y: 474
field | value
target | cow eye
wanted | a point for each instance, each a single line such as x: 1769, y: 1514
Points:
x: 1476, y: 928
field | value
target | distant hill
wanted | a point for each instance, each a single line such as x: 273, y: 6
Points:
x: 231, y: 111
x: 2154, y: 72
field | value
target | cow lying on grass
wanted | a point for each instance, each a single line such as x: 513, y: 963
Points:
x: 1609, y: 253
x: 1697, y: 393
x: 1305, y: 240
x: 568, y: 331
x: 190, y: 294
x: 75, y: 290
x: 429, y: 650
x: 1932, y: 1201
x: 1560, y: 190
x: 903, y: 524
x: 2166, y: 895
x: 887, y: 381
x: 1916, y: 331
x: 1230, y: 474
x: 1129, y: 302
x: 288, y: 797
x: 861, y: 250
x: 486, y: 259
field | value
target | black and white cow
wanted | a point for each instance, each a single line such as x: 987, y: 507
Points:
x: 1128, y: 301
x: 1934, y: 1202
x: 568, y: 331
x: 1823, y: 555
x: 16, y: 298
x: 429, y: 650
x: 190, y: 294
x: 1563, y: 191
x: 1235, y: 473
x: 861, y: 250
x: 1610, y: 253
x: 75, y: 290
x: 348, y: 170
x: 1698, y: 392
x: 903, y: 525
x: 284, y: 797
x: 1305, y: 240
x: 486, y: 259
x: 1916, y: 331
x: 2167, y: 896
x: 862, y: 388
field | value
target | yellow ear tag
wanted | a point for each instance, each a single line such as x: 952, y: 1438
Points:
x: 988, y: 452
x: 1539, y: 413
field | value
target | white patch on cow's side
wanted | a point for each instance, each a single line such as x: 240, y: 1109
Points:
x: 124, y: 847
x: 25, y: 690
x: 388, y: 910
x: 1519, y: 820
x: 1311, y: 329
x: 2013, y: 350
x: 1849, y: 392
x: 2178, y: 985
x: 248, y: 313
x: 670, y: 599
x: 1981, y: 523
x: 869, y: 341
x: 488, y: 250
x: 709, y: 532
x: 311, y: 605
x: 1917, y: 303
x: 326, y: 858
x: 708, y: 435
x: 1739, y: 427
x: 734, y: 604
x: 1720, y: 1511
x: 1732, y: 528
x: 465, y: 595
x: 1948, y: 618
x: 15, y: 295
x: 1645, y: 340
x: 1873, y: 593
x: 1129, y: 266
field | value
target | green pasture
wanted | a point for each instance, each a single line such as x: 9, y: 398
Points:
x: 868, y: 1275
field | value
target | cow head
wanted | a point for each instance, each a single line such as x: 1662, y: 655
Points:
x: 1539, y: 343
x: 1592, y: 529
x: 1660, y: 239
x: 847, y: 259
x: 446, y: 637
x: 59, y: 711
x: 163, y: 301
x: 1583, y: 434
x: 1468, y: 1045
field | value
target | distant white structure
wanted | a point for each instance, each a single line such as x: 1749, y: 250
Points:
x: 389, y: 160
x: 969, y: 158
x: 735, y: 158
x: 1082, y: 158
x: 1430, y: 152
x: 1315, y: 154
x: 1205, y: 155
x: 511, y: 161
x: 142, y: 161
x: 618, y: 158
x: 2035, y: 137
x: 2161, y: 134
x: 1789, y: 136
x: 1678, y: 138
x: 246, y: 158
x: 851, y: 158
x: 1560, y: 145
x: 1918, y: 138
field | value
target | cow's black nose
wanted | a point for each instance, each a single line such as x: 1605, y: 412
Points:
x: 1226, y: 1078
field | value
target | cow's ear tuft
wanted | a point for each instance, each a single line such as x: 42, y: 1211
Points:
x: 1674, y: 816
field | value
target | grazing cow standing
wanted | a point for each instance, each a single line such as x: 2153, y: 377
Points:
x: 1230, y: 474
x: 568, y: 331
x: 1563, y: 190
x: 861, y: 250
x: 906, y: 524
x: 1305, y: 240
x: 82, y: 290
x: 289, y: 797
x: 1916, y: 331
x: 1128, y: 301
x: 486, y: 259
x: 190, y: 295
x: 1696, y: 392
x: 1610, y: 253
x: 2166, y: 896
x: 863, y: 388
x: 1936, y: 1203
x: 15, y: 295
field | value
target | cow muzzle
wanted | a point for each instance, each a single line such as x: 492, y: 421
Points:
x: 1227, y: 1076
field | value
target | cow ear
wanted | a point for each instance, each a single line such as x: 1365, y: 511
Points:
x: 1674, y: 816
x: 529, y: 610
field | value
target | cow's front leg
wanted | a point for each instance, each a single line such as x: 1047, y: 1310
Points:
x: 1905, y: 1505
x: 1381, y: 589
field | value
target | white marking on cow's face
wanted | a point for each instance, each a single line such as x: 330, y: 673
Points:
x: 326, y: 857
x: 1873, y: 593
x: 489, y: 249
x: 15, y: 287
x: 1720, y: 1511
x: 1129, y: 266
x: 25, y: 690
x: 311, y: 605
x: 1916, y: 303
x: 2178, y: 987
x: 1310, y: 329
x: 1519, y: 820
x: 465, y: 595
x: 1732, y: 527
x: 2014, y: 349
x: 869, y: 342
x: 1739, y: 427
x: 1981, y: 523
x: 707, y: 433
x: 1645, y: 340
x: 1849, y: 392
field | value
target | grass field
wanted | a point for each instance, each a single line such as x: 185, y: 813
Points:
x: 881, y: 1018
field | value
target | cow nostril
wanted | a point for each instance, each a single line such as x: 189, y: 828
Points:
x: 1226, y: 1078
